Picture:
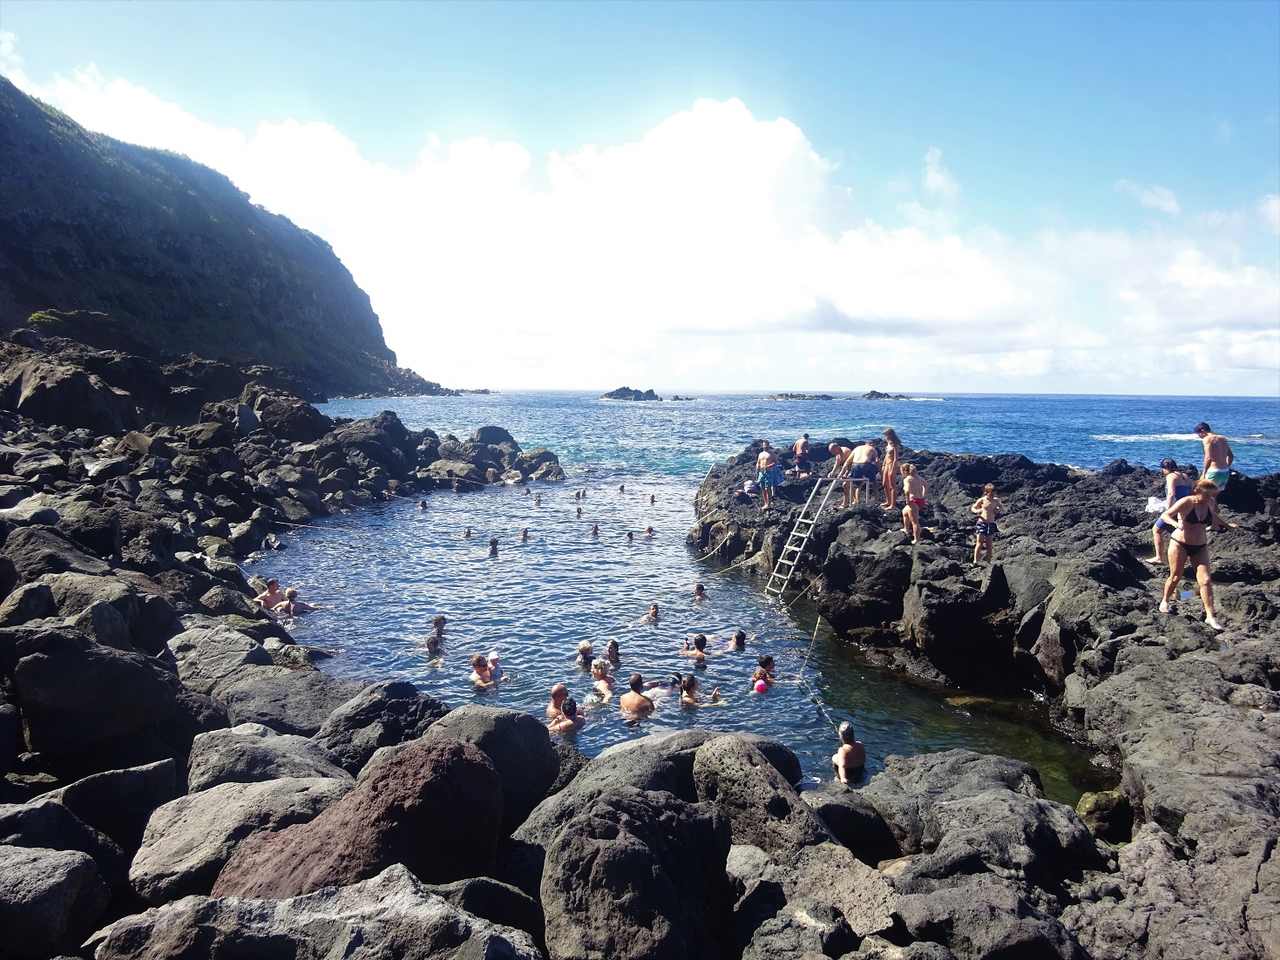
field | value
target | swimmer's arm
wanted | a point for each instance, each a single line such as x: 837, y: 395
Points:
x: 1174, y: 514
x: 1231, y: 454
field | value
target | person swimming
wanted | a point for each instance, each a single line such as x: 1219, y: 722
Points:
x: 595, y: 530
x: 495, y: 665
x: 850, y: 756
x: 438, y: 624
x: 631, y: 537
x: 584, y: 655
x: 527, y: 491
x: 555, y: 705
x: 524, y: 535
x: 493, y: 546
x: 652, y: 615
x: 569, y: 720
x: 738, y: 641
x: 634, y: 701
x: 537, y: 499
x: 653, y: 499
x: 699, y: 593
x: 696, y: 648
x: 601, y: 682
x: 422, y: 504
x: 622, y: 488
x: 689, y: 693
x: 762, y: 678
x: 481, y: 674
x: 579, y: 513
x: 648, y: 533
x: 466, y: 534
x: 292, y: 606
x: 612, y: 653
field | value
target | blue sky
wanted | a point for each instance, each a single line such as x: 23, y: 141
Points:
x: 1108, y: 167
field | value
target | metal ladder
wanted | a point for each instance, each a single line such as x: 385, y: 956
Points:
x: 798, y: 539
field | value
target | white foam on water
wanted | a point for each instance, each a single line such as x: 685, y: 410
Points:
x: 927, y: 399
x: 1140, y: 437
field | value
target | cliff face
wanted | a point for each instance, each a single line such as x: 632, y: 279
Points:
x: 176, y: 256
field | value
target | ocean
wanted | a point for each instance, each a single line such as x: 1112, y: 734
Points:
x: 383, y: 572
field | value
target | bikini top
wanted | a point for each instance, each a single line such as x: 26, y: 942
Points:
x: 1195, y: 518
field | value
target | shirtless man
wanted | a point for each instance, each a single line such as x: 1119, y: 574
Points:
x: 558, y: 693
x: 1218, y: 456
x: 801, y: 448
x: 768, y: 474
x: 865, y: 466
x: 272, y: 597
x: 989, y: 509
x: 634, y: 700
x: 843, y: 460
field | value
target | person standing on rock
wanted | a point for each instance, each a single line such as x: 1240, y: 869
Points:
x: 634, y: 700
x: 863, y: 466
x: 840, y: 469
x: 1176, y: 486
x: 768, y: 474
x: 915, y: 490
x: 1218, y: 456
x: 1193, y: 517
x: 851, y: 756
x: 803, y: 451
x: 988, y: 507
x: 889, y: 468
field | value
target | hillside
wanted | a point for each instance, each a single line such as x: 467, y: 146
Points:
x: 176, y: 256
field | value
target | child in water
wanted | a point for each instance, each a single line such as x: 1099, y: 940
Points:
x: 699, y: 593
x: 584, y: 655
x: 850, y: 756
x: 762, y: 679
x: 481, y: 675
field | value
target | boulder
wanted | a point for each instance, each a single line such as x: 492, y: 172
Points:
x: 434, y: 806
x: 802, y: 930
x: 853, y: 821
x: 49, y: 900
x: 118, y: 803
x: 518, y: 745
x: 65, y: 395
x: 209, y: 656
x: 250, y: 753
x: 284, y: 699
x: 390, y: 915
x: 36, y: 551
x: 638, y: 874
x: 494, y: 436
x: 50, y: 825
x: 188, y: 840
x: 763, y: 809
x: 448, y: 470
x: 496, y: 902
x: 381, y: 715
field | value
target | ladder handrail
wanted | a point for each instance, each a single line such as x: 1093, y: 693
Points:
x: 797, y: 540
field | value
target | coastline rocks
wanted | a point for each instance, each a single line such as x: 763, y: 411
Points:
x: 250, y: 753
x: 393, y: 913
x: 516, y: 743
x: 626, y: 393
x: 118, y: 803
x: 381, y: 715
x: 188, y: 840
x: 592, y: 902
x: 877, y: 395
x: 65, y: 395
x: 435, y: 806
x: 49, y: 900
x: 801, y: 396
x: 285, y: 699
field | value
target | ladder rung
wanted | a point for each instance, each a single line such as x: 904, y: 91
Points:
x: 789, y: 563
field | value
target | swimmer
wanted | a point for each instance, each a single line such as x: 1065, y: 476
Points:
x: 457, y: 485
x: 495, y: 668
x: 584, y: 655
x: 433, y: 645
x: 584, y: 493
x: 466, y: 534
x: 537, y: 499
x: 611, y: 652
x: 622, y: 488
x: 527, y: 491
x: 652, y: 615
x: 422, y: 504
x: 663, y: 688
x: 556, y: 704
x: 493, y: 546
x: 438, y: 624
x: 634, y: 700
x: 689, y: 693
x: 631, y: 537
x: 738, y: 641
x: 600, y: 679
x: 272, y: 597
x: 524, y: 535
x: 292, y: 606
x: 697, y: 649
x: 652, y: 499
x: 577, y: 495
x: 699, y: 593
x: 579, y: 513
x: 569, y: 719
x: 648, y: 533
x: 762, y: 678
x: 595, y: 530
x: 850, y: 756
x: 481, y: 675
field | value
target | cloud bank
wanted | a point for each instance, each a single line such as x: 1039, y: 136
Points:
x: 714, y: 253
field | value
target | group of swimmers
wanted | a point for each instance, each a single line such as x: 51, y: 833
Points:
x: 858, y: 465
x: 283, y: 604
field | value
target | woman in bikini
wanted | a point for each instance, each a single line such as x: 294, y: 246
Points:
x: 889, y: 470
x: 915, y: 490
x: 1176, y: 486
x: 1192, y: 517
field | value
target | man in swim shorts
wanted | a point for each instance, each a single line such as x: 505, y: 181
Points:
x: 1218, y: 456
x: 768, y: 473
x: 802, y: 450
x: 865, y: 465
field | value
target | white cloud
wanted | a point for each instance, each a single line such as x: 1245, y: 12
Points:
x: 1152, y: 196
x: 937, y: 178
x: 11, y: 60
x: 1269, y: 210
x: 702, y: 256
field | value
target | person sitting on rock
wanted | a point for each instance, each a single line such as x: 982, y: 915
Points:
x: 762, y: 678
x: 634, y: 701
x: 851, y: 756
x: 989, y: 508
x: 601, y: 682
x: 584, y: 655
x: 556, y: 705
x: 292, y: 606
x: 697, y: 648
x: 914, y: 490
x: 481, y: 675
x: 570, y: 719
x: 689, y: 693
x: 272, y: 597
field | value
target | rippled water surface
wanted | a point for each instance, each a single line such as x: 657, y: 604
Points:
x: 383, y: 572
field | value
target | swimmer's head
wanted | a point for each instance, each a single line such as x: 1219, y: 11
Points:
x: 493, y: 658
x: 599, y: 669
x: 699, y: 641
x: 690, y: 684
x: 478, y: 662
x: 740, y: 638
x: 611, y: 648
x: 636, y: 682
x: 846, y: 733
x: 676, y: 680
x: 273, y: 584
x: 291, y: 594
x: 559, y: 692
x: 584, y: 649
x: 699, y: 590
x: 570, y: 708
x: 766, y: 662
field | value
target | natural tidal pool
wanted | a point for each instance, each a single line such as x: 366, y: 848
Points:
x: 384, y: 572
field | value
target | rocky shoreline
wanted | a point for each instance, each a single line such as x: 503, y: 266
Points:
x: 181, y: 781
x: 1068, y: 611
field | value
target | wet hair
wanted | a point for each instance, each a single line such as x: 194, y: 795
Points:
x: 438, y: 620
x: 689, y: 684
x: 988, y: 488
x: 291, y: 594
x: 584, y: 650
x: 676, y: 680
x: 273, y: 582
x: 600, y: 666
x: 1205, y: 486
x: 699, y: 588
x: 611, y: 647
x: 1170, y: 464
x: 891, y: 435
x: 636, y: 682
x: 569, y: 708
x: 765, y: 661
x: 478, y: 661
x: 805, y: 435
x: 740, y: 636
x: 846, y: 733
x: 699, y: 641
x: 1203, y: 426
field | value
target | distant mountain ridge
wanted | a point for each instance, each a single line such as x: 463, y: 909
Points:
x: 177, y: 257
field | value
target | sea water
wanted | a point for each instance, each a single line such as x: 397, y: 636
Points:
x: 385, y: 571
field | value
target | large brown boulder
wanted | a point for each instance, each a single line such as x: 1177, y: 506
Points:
x: 434, y: 806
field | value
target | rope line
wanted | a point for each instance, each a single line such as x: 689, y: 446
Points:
x: 813, y: 694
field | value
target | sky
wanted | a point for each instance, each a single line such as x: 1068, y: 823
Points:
x: 918, y: 197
